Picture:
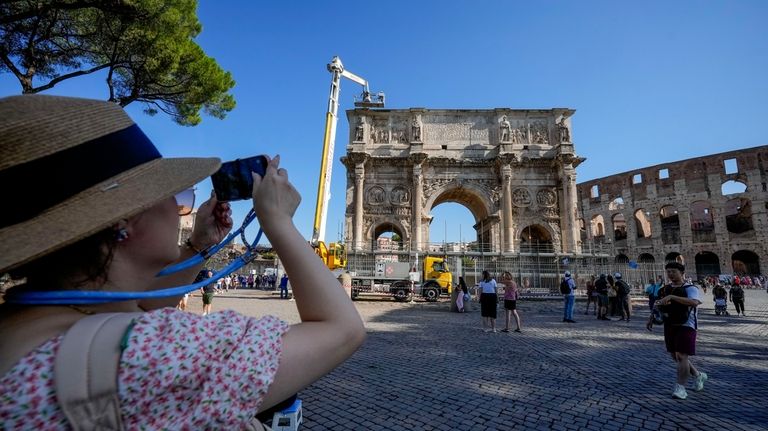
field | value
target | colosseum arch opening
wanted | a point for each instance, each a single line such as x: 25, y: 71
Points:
x: 702, y: 222
x: 738, y: 216
x: 707, y: 263
x: 670, y: 225
x: 745, y: 262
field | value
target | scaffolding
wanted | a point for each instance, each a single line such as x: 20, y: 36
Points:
x: 535, y: 273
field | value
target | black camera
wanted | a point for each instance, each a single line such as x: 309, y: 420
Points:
x: 234, y: 182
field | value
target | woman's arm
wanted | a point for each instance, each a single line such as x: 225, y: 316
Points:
x: 331, y: 328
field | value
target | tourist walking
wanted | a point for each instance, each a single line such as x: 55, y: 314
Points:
x: 568, y: 289
x: 678, y: 302
x: 489, y: 299
x: 622, y: 297
x: 284, y: 287
x: 462, y: 296
x: 510, y: 301
x: 207, y: 292
x: 737, y: 297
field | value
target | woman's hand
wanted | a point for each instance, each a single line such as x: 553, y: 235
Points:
x: 212, y: 223
x: 274, y: 197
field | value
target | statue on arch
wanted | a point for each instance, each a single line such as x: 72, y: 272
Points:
x: 416, y: 129
x: 504, y: 129
x: 565, y: 134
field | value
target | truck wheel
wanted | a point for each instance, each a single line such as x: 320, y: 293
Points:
x: 355, y: 293
x: 431, y: 295
x: 401, y: 295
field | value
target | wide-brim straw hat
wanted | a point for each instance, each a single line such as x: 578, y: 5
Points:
x: 72, y: 167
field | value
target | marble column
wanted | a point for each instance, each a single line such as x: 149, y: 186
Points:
x: 568, y: 210
x: 416, y: 209
x: 506, y: 202
x: 359, y: 186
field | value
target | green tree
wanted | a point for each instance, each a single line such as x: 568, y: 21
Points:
x: 146, y: 48
x: 396, y: 238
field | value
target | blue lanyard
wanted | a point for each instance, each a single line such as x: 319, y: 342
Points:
x: 63, y: 297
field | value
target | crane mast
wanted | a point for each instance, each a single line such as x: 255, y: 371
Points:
x: 331, y: 118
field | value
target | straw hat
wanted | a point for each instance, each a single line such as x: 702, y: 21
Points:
x: 71, y: 167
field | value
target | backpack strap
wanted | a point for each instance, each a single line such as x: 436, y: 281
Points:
x: 85, y: 371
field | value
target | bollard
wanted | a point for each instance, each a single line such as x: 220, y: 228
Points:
x: 346, y: 283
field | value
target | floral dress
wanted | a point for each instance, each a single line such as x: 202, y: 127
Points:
x: 178, y: 371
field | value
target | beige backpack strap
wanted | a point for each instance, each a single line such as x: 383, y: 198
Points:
x: 85, y: 371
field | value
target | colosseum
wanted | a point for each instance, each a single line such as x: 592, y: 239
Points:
x: 707, y: 212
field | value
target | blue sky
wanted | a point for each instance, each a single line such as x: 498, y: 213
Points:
x: 651, y: 81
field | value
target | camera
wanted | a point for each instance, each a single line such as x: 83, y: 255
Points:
x: 234, y: 182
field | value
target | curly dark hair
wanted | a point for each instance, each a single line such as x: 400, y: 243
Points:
x: 72, y: 266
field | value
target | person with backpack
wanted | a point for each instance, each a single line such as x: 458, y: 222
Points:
x: 737, y: 297
x: 622, y: 296
x: 568, y: 290
x: 601, y: 286
x: 678, y: 302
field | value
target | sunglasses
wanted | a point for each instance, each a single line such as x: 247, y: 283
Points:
x: 185, y: 201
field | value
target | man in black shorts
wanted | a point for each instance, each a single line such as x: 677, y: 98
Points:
x: 678, y: 301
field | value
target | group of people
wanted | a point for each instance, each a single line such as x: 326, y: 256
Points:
x: 609, y: 295
x: 734, y: 294
x: 104, y: 229
x: 488, y: 295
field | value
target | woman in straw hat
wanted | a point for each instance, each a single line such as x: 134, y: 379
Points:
x: 92, y: 206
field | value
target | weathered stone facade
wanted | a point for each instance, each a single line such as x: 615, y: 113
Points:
x: 513, y: 169
x: 694, y: 210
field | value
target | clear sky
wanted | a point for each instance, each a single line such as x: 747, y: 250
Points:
x: 651, y: 81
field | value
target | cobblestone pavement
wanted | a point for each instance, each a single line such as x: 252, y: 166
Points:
x: 424, y: 368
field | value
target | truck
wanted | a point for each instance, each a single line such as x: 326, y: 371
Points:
x: 403, y: 281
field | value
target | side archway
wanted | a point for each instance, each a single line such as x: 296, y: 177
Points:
x: 381, y: 242
x: 535, y: 238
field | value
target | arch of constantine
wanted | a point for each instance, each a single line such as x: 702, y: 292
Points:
x: 513, y: 169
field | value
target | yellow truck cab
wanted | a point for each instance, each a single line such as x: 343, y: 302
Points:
x: 437, y: 278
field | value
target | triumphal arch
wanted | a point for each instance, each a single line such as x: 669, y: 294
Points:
x: 514, y: 169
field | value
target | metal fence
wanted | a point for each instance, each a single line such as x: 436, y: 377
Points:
x: 536, y: 274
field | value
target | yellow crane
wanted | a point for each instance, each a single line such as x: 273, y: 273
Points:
x: 334, y: 254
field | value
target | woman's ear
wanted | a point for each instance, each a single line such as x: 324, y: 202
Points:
x: 121, y: 230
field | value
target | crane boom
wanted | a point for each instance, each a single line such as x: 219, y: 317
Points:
x: 329, y: 138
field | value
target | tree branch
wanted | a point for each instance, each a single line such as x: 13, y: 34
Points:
x: 58, y: 79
